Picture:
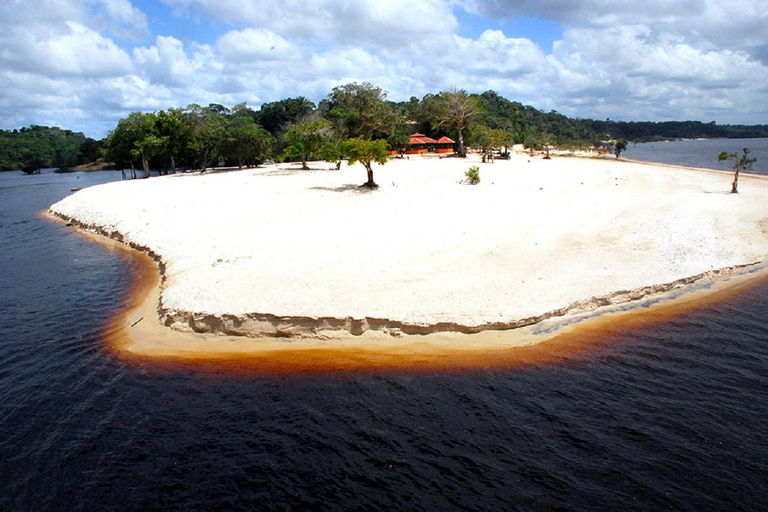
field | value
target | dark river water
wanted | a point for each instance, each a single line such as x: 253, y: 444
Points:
x: 701, y: 153
x: 671, y: 415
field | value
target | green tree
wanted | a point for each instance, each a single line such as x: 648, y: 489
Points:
x: 619, y: 147
x: 244, y: 141
x: 305, y: 139
x: 174, y: 132
x: 455, y: 109
x: 135, y: 138
x: 359, y: 110
x: 206, y: 129
x: 367, y: 152
x: 739, y: 164
x: 38, y: 147
x: 488, y: 139
x: 533, y: 141
x: 276, y: 117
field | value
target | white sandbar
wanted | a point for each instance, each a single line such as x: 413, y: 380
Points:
x: 278, y: 251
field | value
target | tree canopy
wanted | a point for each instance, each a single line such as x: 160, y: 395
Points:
x: 197, y: 136
x: 367, y: 152
x: 42, y: 147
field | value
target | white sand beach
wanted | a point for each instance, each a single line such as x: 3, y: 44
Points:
x: 276, y: 251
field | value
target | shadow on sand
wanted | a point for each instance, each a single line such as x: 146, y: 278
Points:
x: 346, y: 188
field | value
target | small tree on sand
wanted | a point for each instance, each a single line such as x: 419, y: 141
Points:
x: 739, y: 164
x: 619, y: 147
x: 473, y: 175
x: 366, y: 152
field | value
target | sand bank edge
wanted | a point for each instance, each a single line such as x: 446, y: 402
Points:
x: 266, y: 325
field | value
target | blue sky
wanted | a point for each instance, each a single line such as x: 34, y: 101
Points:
x: 84, y: 64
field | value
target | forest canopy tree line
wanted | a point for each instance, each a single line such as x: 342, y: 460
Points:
x: 297, y: 129
x: 39, y: 147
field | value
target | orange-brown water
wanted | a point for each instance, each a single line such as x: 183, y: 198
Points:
x: 493, y: 349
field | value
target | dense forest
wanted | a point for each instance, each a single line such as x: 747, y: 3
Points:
x: 298, y: 129
x: 42, y: 147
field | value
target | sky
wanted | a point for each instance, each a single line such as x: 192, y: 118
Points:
x: 84, y: 64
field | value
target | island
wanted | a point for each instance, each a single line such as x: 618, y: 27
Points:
x: 275, y: 254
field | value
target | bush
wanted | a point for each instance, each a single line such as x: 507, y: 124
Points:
x: 473, y: 175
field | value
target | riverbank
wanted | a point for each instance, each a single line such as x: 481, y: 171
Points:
x: 281, y: 253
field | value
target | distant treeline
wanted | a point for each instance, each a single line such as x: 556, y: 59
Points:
x: 650, y: 131
x: 197, y: 136
x: 42, y: 147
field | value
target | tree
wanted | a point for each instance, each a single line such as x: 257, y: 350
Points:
x: 305, y: 139
x: 366, y: 152
x: 175, y: 134
x: 739, y: 164
x: 244, y: 140
x: 547, y: 141
x: 359, y: 110
x: 42, y: 146
x: 135, y: 138
x: 619, y: 147
x: 206, y: 133
x: 278, y: 116
x: 455, y: 109
x: 489, y: 139
x: 533, y: 141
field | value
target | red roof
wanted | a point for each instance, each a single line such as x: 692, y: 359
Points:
x: 422, y: 140
x: 446, y: 140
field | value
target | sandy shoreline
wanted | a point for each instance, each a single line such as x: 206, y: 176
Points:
x: 282, y: 253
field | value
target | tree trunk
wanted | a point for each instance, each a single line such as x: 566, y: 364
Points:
x: 173, y: 165
x: 370, y: 183
x: 145, y: 165
x: 461, y: 140
x: 735, y: 186
x: 304, y: 165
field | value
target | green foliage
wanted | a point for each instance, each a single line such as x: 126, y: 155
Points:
x: 739, y: 164
x: 206, y: 134
x: 195, y: 135
x: 246, y: 141
x: 174, y: 132
x: 359, y: 110
x: 332, y: 152
x: 473, y: 175
x: 278, y: 116
x: 619, y: 147
x: 454, y: 109
x: 136, y: 138
x: 490, y: 139
x: 366, y: 152
x: 41, y: 147
x: 646, y: 131
x: 305, y: 139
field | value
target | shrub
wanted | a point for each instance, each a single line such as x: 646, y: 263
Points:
x: 473, y: 175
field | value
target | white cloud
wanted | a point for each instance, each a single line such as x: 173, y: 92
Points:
x: 167, y: 63
x: 394, y: 23
x: 255, y: 46
x: 708, y: 24
x: 633, y: 75
x: 119, y: 17
x: 493, y: 54
x: 68, y: 50
x: 61, y: 61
